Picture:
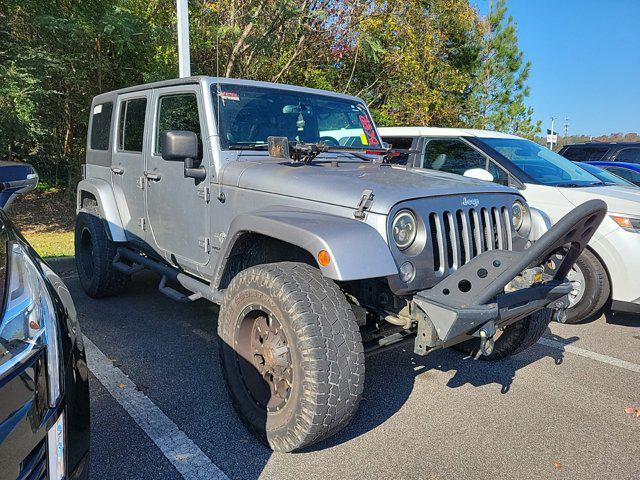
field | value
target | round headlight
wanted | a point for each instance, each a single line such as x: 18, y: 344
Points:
x: 518, y: 214
x: 404, y: 229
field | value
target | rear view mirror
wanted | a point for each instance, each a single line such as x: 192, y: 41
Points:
x: 479, y: 174
x: 178, y: 145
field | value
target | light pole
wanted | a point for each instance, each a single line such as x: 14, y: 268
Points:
x: 553, y: 124
x: 184, y: 57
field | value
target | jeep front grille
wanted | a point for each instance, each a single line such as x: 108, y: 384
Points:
x: 457, y: 237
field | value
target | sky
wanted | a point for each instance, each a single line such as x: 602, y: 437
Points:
x: 585, y: 57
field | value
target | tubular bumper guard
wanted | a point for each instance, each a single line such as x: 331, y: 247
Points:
x: 472, y: 302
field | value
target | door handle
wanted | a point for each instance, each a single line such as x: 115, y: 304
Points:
x: 154, y: 177
x: 117, y: 170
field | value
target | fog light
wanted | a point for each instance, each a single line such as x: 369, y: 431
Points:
x: 407, y: 272
x: 55, y: 441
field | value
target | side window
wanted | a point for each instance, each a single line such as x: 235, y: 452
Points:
x: 178, y: 112
x: 631, y: 155
x: 499, y: 175
x: 627, y: 174
x: 131, y: 125
x: 584, y: 154
x: 399, y: 143
x: 101, y: 126
x: 452, y: 155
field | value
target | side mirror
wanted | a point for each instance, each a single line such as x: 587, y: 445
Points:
x: 479, y: 174
x: 279, y: 147
x: 181, y: 146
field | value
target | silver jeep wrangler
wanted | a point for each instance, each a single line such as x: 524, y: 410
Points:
x: 279, y: 204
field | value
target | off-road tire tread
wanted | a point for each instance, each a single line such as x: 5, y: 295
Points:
x: 515, y: 339
x: 597, y: 296
x: 111, y: 281
x: 330, y: 342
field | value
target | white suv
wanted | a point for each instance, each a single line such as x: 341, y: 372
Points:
x: 550, y: 182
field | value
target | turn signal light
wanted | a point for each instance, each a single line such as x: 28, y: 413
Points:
x: 324, y: 258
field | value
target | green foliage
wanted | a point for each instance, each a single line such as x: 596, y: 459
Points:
x: 501, y: 87
x: 431, y: 62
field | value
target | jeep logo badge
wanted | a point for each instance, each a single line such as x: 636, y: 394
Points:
x: 470, y: 202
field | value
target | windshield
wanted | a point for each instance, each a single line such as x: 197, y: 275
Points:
x: 248, y: 115
x: 606, y: 176
x: 542, y: 164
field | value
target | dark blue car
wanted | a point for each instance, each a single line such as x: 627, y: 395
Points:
x: 626, y: 170
x: 15, y: 179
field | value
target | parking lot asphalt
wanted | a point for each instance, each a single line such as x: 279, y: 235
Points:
x: 554, y: 411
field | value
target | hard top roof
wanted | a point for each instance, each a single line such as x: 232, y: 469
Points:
x: 596, y: 143
x: 206, y: 80
x: 440, y: 132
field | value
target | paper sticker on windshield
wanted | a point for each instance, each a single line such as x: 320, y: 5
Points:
x: 369, y: 130
x: 97, y: 109
x: 363, y: 139
x: 233, y: 96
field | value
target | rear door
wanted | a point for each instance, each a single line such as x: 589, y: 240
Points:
x: 127, y: 164
x: 177, y: 207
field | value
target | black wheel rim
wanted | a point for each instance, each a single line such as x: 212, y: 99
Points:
x: 264, y: 358
x: 86, y: 252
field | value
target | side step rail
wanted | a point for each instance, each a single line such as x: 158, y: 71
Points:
x: 174, y: 294
x: 198, y: 288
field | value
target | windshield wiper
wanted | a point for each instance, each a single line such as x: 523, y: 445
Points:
x: 248, y: 146
x: 567, y: 185
x: 281, y: 147
x: 576, y: 185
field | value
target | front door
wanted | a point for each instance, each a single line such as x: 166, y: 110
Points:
x: 177, y: 207
x: 127, y: 166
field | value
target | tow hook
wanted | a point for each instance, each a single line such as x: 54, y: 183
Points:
x: 486, y: 334
x: 560, y: 309
x: 560, y: 315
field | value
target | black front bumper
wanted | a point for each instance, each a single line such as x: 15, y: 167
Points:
x: 473, y: 296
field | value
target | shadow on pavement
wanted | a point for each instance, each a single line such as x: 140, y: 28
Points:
x: 171, y: 351
x: 391, y: 376
x: 622, y: 319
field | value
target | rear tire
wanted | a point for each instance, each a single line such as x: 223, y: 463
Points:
x: 291, y: 354
x: 515, y: 338
x: 94, y: 255
x: 596, y: 288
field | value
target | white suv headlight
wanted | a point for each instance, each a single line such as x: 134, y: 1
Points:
x: 630, y: 224
x: 28, y: 321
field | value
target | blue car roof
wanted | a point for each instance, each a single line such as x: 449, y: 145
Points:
x: 631, y: 166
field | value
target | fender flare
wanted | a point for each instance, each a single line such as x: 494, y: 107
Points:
x: 357, y: 250
x: 107, y: 206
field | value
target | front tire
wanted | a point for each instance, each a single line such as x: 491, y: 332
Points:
x: 591, y: 288
x: 94, y: 256
x: 515, y: 338
x: 291, y: 354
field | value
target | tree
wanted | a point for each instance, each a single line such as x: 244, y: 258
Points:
x: 417, y: 60
x: 501, y: 84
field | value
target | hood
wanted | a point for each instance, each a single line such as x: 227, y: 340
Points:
x: 619, y: 199
x: 343, y: 184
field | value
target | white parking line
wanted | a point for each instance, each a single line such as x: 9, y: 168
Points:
x: 616, y: 362
x: 179, y: 449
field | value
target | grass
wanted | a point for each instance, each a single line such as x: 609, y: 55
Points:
x: 58, y: 244
x: 46, y: 218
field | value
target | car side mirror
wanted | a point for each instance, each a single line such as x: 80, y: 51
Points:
x: 479, y: 174
x: 182, y: 146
